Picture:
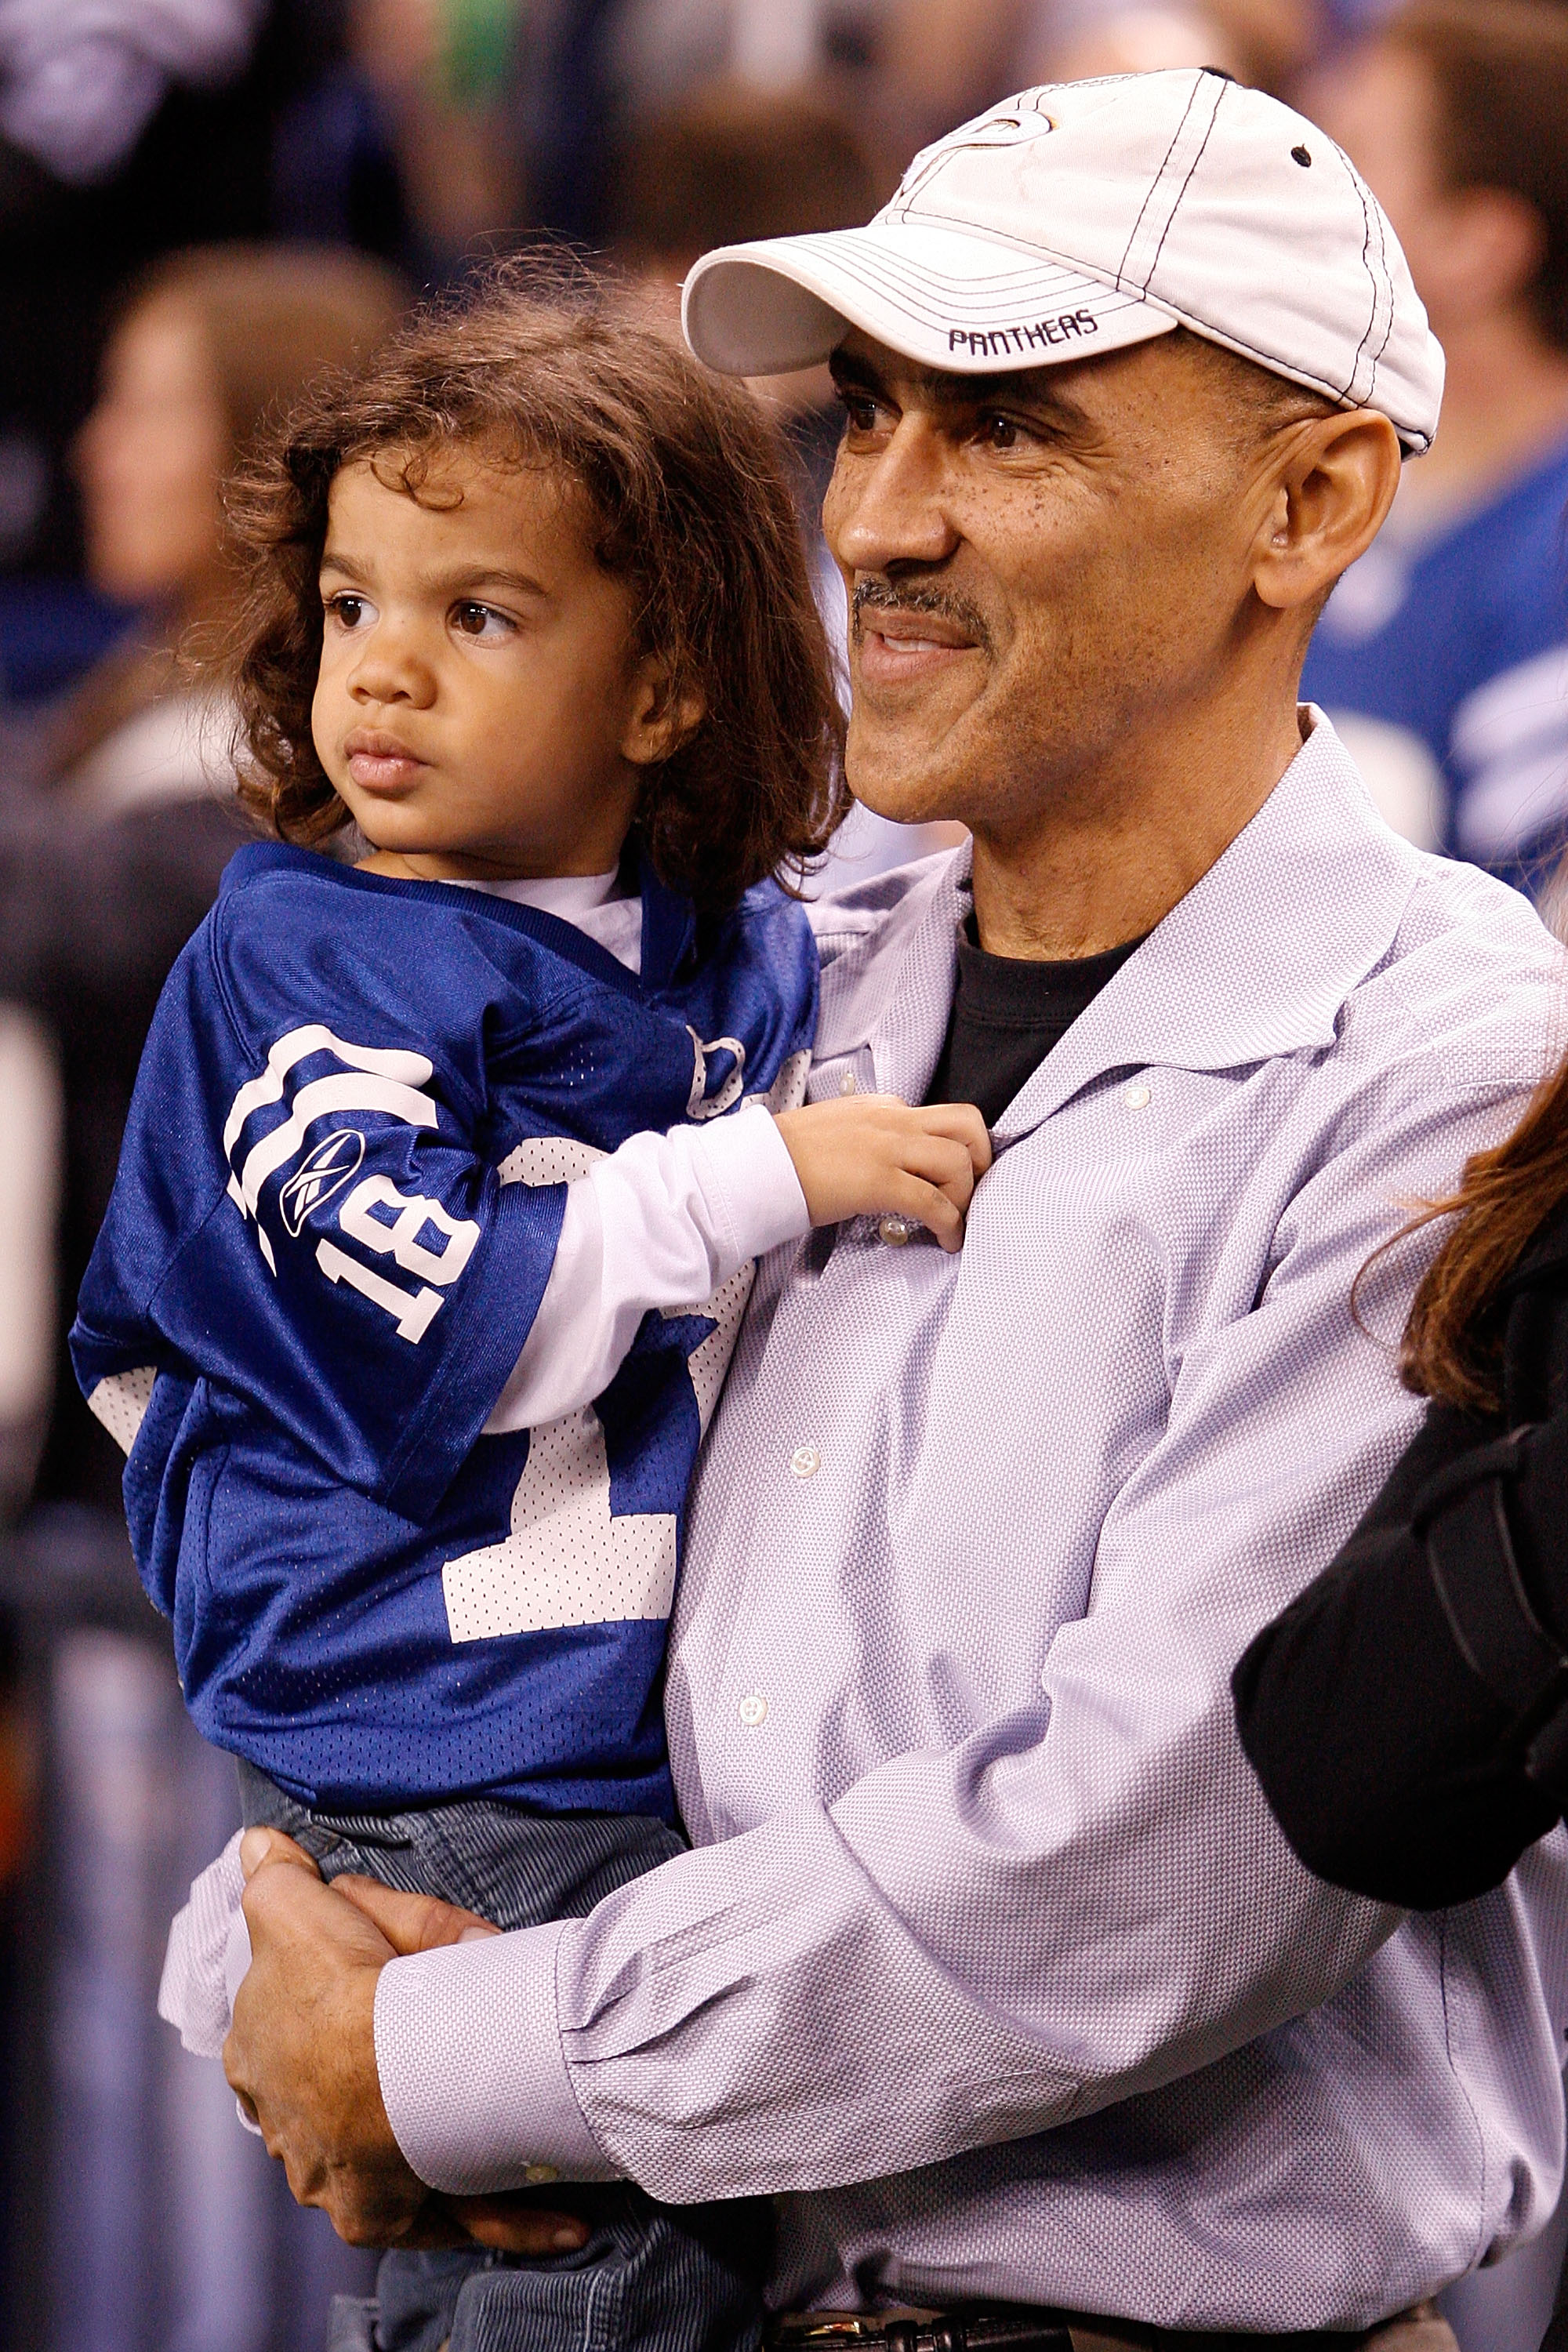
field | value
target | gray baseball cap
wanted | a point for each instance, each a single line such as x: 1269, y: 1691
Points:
x: 1084, y: 216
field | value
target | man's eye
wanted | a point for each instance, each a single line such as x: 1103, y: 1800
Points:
x: 471, y: 620
x: 860, y: 410
x: 998, y: 432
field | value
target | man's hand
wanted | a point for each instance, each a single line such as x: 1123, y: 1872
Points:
x: 301, y: 2055
x: 870, y: 1155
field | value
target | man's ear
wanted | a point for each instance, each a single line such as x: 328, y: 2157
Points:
x: 663, y: 713
x: 1335, y: 483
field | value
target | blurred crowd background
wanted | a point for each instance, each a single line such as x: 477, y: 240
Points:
x: 201, y: 202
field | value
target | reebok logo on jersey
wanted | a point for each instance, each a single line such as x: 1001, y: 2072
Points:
x: 416, y: 1231
x: 319, y: 1178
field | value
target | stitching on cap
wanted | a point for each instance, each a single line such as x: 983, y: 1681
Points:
x: 999, y: 237
x: 1388, y: 284
x: 1049, y: 252
x: 1356, y: 183
x: 894, y: 281
x: 1335, y: 391
x: 1267, y: 359
x: 1186, y: 184
x: 1155, y: 190
x: 1383, y: 282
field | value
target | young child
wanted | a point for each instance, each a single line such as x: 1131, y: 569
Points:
x: 432, y: 1155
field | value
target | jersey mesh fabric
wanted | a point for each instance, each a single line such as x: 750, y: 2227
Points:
x: 314, y: 1245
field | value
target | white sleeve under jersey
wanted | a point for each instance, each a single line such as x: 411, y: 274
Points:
x: 665, y: 1219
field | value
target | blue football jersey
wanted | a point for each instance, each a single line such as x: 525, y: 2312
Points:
x: 336, y: 1212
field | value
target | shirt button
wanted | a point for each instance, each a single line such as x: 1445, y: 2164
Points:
x: 539, y: 2175
x: 896, y: 1230
x: 805, y: 1461
x: 846, y: 1082
x: 1136, y: 1096
x: 753, y: 1709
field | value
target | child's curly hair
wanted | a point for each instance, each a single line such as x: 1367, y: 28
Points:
x: 693, y: 511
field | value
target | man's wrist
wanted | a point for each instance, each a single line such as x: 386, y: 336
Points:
x: 467, y: 2049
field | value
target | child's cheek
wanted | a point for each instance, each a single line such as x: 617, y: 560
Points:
x: 326, y: 728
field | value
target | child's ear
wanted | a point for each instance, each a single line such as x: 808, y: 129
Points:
x: 664, y: 714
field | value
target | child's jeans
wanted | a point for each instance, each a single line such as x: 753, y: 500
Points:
x: 651, y: 2278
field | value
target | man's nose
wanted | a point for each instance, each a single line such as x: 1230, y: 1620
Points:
x: 890, y: 509
x: 394, y: 667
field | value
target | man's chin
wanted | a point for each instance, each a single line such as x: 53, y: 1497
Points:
x: 904, y: 796
x: 911, y: 773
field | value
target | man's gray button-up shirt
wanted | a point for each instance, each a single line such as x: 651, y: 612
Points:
x: 990, y: 1961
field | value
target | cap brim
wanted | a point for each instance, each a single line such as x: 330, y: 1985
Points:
x: 968, y: 304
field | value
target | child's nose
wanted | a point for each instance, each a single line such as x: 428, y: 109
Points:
x: 391, y: 668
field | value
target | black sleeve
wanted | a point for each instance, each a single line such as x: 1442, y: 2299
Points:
x: 1397, y: 1762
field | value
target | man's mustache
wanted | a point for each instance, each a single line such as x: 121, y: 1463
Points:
x: 883, y: 596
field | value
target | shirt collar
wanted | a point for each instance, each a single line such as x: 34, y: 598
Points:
x: 1258, y: 958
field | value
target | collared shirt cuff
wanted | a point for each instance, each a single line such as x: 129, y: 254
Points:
x: 746, y: 1162
x: 469, y: 2051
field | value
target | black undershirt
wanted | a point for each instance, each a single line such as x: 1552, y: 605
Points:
x: 1008, y: 1014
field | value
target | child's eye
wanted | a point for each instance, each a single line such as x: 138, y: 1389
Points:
x: 349, y: 611
x: 482, y: 621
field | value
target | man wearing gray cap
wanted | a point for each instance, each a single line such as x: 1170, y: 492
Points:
x: 990, y: 1964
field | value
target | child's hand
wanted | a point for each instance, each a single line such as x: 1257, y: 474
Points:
x: 871, y: 1155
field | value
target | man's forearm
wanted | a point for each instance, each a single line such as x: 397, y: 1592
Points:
x: 732, y: 2023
